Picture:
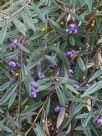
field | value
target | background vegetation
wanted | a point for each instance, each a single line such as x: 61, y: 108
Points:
x: 50, y: 68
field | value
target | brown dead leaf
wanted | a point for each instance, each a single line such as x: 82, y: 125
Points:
x: 61, y: 117
x: 46, y: 128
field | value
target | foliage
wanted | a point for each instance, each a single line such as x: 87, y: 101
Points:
x: 50, y: 55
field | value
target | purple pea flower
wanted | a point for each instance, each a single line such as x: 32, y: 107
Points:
x: 13, y: 44
x: 73, y: 29
x: 58, y: 109
x: 13, y: 64
x: 76, y: 86
x: 56, y: 69
x: 72, y: 63
x: 41, y: 75
x: 33, y: 94
x: 71, y: 54
x: 33, y: 86
x: 99, y: 121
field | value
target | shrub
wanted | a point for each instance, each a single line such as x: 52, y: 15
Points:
x: 50, y: 68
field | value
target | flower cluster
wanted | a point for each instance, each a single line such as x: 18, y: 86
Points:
x: 13, y: 64
x: 70, y: 54
x: 73, y: 29
x: 13, y: 44
x: 33, y: 86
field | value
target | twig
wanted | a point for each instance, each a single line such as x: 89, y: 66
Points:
x: 36, y: 118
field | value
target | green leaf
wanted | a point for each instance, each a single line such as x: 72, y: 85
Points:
x: 39, y: 131
x: 3, y: 34
x: 77, y: 17
x: 72, y: 40
x: 5, y: 85
x: 94, y: 88
x: 27, y: 19
x: 68, y: 86
x: 12, y: 99
x: 81, y: 64
x: 89, y: 3
x: 89, y: 116
x: 5, y: 128
x: 36, y: 35
x: 8, y: 94
x: 21, y: 27
x: 40, y: 14
x: 55, y: 23
x: 23, y: 48
x: 47, y: 107
x: 31, y: 108
x: 61, y: 96
x: 96, y: 75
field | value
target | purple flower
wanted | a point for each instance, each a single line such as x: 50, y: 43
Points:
x: 18, y: 65
x: 13, y: 44
x: 99, y: 121
x: 71, y: 54
x: 33, y: 86
x: 56, y: 69
x: 58, y: 108
x: 76, y: 86
x: 13, y: 64
x: 33, y: 94
x: 73, y: 29
x: 72, y: 63
x: 41, y: 75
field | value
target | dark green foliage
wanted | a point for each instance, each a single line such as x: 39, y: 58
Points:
x: 42, y: 35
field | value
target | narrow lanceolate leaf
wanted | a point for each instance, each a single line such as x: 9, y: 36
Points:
x: 21, y: 46
x: 27, y: 19
x: 89, y: 3
x: 47, y: 107
x: 96, y: 75
x: 61, y: 117
x: 5, y: 128
x: 81, y: 64
x: 78, y: 17
x: 21, y: 27
x: 72, y: 40
x: 8, y: 93
x: 88, y: 118
x: 94, y: 88
x: 39, y: 131
x: 5, y: 85
x: 3, y: 34
x: 61, y: 96
x: 68, y: 86
x: 12, y: 99
x: 40, y: 14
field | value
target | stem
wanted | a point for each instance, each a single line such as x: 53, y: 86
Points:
x: 35, y: 118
